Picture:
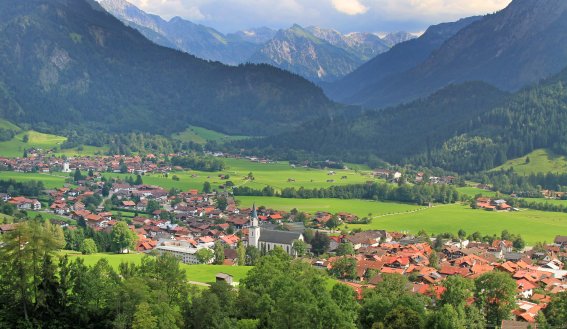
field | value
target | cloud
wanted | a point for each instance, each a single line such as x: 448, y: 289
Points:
x: 350, y: 7
x: 343, y: 15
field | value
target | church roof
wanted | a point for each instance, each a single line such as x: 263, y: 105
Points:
x: 280, y: 237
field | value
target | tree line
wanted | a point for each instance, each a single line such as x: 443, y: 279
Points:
x: 420, y: 193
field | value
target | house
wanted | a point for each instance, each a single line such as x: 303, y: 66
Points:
x: 23, y: 203
x: 561, y: 241
x: 267, y: 240
x: 525, y: 288
x: 368, y: 239
x: 5, y: 228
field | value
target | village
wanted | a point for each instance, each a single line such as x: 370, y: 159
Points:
x: 183, y: 223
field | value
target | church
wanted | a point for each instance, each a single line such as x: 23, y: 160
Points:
x: 266, y: 240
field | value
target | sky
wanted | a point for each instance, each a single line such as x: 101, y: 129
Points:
x: 342, y: 15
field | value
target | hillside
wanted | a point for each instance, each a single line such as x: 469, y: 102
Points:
x: 465, y: 128
x: 538, y: 161
x: 518, y: 46
x: 356, y: 87
x: 69, y: 64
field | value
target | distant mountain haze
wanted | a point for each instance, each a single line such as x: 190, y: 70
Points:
x: 315, y: 53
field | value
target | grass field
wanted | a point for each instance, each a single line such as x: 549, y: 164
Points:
x: 50, y: 181
x: 275, y: 175
x: 472, y: 191
x: 197, y: 273
x: 48, y: 215
x: 358, y: 207
x: 8, y: 125
x: 201, y: 135
x: 532, y: 225
x: 540, y: 161
x: 16, y: 146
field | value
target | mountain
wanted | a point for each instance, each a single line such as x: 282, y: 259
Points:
x: 178, y: 33
x: 359, y: 86
x: 392, y: 39
x: 258, y: 35
x: 363, y: 45
x: 318, y: 54
x: 520, y: 45
x: 69, y: 64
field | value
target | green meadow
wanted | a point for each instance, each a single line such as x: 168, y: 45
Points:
x: 358, y: 207
x: 533, y: 226
x: 50, y: 181
x: 201, y: 135
x: 196, y: 273
x: 540, y: 161
x: 278, y: 175
x: 8, y: 125
x: 473, y: 191
x: 15, y: 147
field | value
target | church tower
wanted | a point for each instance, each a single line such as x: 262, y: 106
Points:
x: 254, y: 230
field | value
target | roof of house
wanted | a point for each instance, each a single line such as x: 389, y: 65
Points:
x: 280, y: 237
x: 510, y: 324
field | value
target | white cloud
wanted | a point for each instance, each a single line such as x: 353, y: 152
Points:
x: 344, y: 15
x: 350, y: 7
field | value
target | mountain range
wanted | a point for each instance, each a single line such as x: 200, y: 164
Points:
x: 69, y: 64
x: 510, y: 49
x: 315, y: 53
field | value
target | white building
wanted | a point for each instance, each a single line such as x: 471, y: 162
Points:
x: 66, y: 167
x: 180, y: 249
x: 267, y: 240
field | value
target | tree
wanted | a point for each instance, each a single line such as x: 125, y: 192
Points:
x: 139, y: 180
x: 78, y: 176
x: 143, y: 318
x: 402, y: 318
x: 122, y: 237
x: 434, y: 260
x: 457, y: 291
x: 556, y: 312
x: 207, y: 187
x: 204, y: 255
x: 461, y: 234
x: 88, y: 246
x: 152, y: 206
x: 219, y: 253
x: 26, y: 138
x: 252, y: 255
x: 446, y: 318
x: 222, y: 203
x: 344, y: 268
x: 300, y: 248
x: 333, y: 222
x: 241, y: 253
x: 345, y: 248
x: 495, y: 295
x: 320, y: 243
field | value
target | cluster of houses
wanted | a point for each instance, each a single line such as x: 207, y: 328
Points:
x: 420, y: 177
x: 493, y: 204
x: 45, y: 163
x: 539, y: 274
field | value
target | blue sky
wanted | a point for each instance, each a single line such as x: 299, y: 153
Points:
x: 342, y: 15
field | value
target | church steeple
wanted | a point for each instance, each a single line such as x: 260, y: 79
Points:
x: 254, y: 230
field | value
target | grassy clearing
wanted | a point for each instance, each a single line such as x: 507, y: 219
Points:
x: 201, y: 135
x: 532, y: 225
x: 540, y: 161
x: 50, y: 181
x: 8, y: 125
x: 358, y: 207
x: 197, y: 273
x: 472, y: 191
x: 15, y: 147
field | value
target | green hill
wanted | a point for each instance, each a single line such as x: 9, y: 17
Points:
x: 202, y: 135
x: 538, y: 161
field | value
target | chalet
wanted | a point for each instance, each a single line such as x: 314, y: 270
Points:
x: 368, y: 238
